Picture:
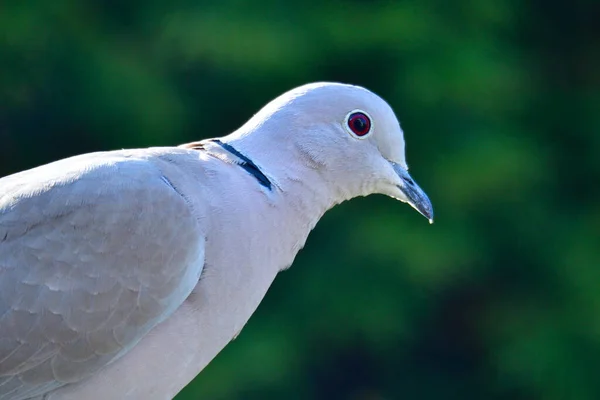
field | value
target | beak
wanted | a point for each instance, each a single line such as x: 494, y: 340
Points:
x: 416, y: 197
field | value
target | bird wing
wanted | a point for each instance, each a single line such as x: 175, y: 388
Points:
x: 95, y: 251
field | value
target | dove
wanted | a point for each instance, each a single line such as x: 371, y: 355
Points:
x: 124, y: 273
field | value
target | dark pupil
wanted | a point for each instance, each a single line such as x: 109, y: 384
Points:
x: 359, y: 124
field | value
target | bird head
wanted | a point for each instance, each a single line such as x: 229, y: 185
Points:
x: 347, y: 133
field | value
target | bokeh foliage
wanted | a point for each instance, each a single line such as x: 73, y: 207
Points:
x: 500, y: 103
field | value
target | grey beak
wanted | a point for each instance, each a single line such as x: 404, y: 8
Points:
x: 415, y: 195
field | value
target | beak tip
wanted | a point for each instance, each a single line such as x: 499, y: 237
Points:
x: 426, y: 210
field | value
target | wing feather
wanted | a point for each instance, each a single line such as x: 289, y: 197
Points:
x: 95, y: 250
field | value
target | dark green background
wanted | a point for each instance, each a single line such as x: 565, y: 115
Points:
x: 500, y: 103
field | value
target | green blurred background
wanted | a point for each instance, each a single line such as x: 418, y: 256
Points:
x: 500, y: 103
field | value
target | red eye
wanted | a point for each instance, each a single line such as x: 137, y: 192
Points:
x: 359, y: 124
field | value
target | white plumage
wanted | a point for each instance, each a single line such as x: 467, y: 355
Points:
x: 124, y: 273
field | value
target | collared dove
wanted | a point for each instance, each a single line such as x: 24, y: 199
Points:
x: 124, y: 273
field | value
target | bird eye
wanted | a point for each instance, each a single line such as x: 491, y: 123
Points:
x: 359, y: 124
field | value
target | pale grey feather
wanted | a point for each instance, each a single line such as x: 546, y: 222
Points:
x: 94, y: 251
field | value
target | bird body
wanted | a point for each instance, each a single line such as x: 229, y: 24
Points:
x: 124, y: 273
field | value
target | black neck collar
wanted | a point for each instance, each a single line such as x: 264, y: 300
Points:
x: 246, y: 164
